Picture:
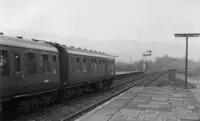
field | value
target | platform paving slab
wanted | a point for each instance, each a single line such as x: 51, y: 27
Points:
x: 150, y: 104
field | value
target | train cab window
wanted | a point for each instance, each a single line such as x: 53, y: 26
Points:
x: 31, y: 63
x: 4, y: 63
x: 45, y: 64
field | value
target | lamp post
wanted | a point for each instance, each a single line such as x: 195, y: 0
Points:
x: 146, y: 53
x: 186, y: 35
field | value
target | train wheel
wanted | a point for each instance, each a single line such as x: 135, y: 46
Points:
x: 60, y: 97
x: 21, y: 110
x: 52, y: 100
x: 105, y: 84
x: 34, y: 105
x: 79, y: 91
x: 26, y: 106
x: 47, y: 102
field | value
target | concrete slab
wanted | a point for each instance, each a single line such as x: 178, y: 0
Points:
x: 116, y: 104
x: 126, y: 114
x: 96, y: 117
x: 151, y: 104
x: 105, y: 112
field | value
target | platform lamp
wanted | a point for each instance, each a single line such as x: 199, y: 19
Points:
x: 186, y: 35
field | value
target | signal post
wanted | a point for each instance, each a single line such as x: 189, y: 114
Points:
x: 186, y: 35
x: 146, y: 53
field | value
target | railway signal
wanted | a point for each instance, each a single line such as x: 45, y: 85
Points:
x: 186, y: 35
x: 146, y: 53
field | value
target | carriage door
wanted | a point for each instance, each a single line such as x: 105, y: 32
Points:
x: 5, y: 69
x: 18, y: 73
x: 107, y: 68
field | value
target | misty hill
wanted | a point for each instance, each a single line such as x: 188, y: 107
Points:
x: 126, y: 49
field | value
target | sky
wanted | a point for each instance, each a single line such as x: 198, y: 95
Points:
x: 125, y: 28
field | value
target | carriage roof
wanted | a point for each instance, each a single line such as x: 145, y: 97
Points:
x: 25, y: 43
x: 85, y: 52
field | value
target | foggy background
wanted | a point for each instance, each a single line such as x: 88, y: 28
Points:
x: 125, y: 28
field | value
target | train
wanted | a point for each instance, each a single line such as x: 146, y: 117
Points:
x: 35, y: 73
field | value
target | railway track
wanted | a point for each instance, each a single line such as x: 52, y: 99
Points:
x: 68, y: 108
x: 144, y: 81
x: 119, y: 80
x: 128, y: 79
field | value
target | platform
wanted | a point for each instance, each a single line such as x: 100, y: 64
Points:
x: 149, y: 104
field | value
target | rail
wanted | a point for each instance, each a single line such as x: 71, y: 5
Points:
x: 147, y: 77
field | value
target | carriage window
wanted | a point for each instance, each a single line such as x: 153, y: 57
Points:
x: 91, y: 65
x: 71, y: 60
x: 88, y: 64
x: 103, y: 67
x: 31, y: 63
x: 78, y: 65
x: 45, y: 64
x: 100, y: 66
x: 54, y: 58
x: 92, y: 61
x: 108, y: 64
x: 4, y: 62
x: 17, y: 62
x: 45, y: 57
x: 54, y: 64
x: 72, y: 64
x: 112, y: 66
x: 84, y: 65
x: 77, y: 60
x: 95, y: 65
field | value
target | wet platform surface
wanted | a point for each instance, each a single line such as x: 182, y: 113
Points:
x: 150, y: 104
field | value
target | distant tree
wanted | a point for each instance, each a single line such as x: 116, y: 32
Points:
x: 123, y: 66
x: 167, y: 62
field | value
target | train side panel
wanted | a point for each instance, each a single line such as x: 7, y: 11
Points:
x: 88, y: 69
x: 25, y: 71
x: 85, y: 69
x: 79, y: 67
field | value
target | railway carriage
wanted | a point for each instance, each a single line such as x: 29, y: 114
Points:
x: 81, y: 67
x: 27, y: 68
x: 44, y: 71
